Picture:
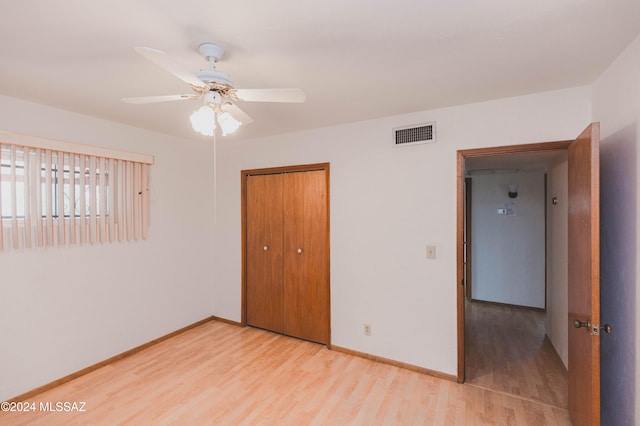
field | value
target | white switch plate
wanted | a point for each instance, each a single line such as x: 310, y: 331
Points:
x: 431, y: 252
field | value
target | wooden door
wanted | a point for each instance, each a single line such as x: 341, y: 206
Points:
x: 306, y: 256
x: 264, y: 244
x: 584, y: 277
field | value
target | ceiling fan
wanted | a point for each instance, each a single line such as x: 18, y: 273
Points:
x: 215, y: 88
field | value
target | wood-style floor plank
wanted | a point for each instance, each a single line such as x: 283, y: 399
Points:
x: 507, y: 351
x: 220, y: 374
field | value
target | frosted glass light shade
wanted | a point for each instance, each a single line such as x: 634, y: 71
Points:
x: 203, y: 121
x: 228, y: 124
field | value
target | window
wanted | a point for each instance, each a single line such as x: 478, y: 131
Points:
x: 54, y: 193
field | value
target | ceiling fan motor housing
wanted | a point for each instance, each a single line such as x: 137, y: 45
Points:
x: 215, y: 77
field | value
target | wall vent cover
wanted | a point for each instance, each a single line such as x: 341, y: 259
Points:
x: 414, y: 135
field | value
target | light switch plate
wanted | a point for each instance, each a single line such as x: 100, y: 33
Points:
x: 431, y: 252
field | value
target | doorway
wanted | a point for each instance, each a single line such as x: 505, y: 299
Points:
x: 506, y: 329
x: 583, y: 264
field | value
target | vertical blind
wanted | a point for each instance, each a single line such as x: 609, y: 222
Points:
x: 54, y: 197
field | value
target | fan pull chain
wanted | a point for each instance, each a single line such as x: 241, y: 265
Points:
x: 215, y: 186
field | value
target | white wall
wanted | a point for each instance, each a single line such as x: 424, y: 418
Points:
x: 508, y: 261
x: 386, y: 205
x: 63, y: 309
x: 616, y: 104
x: 557, y: 258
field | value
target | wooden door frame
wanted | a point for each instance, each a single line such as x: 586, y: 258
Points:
x: 460, y: 211
x: 467, y: 241
x: 243, y: 211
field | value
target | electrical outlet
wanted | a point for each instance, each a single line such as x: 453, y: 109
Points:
x: 431, y: 252
x: 367, y: 329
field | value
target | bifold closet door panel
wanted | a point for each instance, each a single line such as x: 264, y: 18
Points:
x: 264, y: 245
x: 306, y: 284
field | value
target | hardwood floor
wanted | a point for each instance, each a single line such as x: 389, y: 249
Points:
x: 507, y: 351
x: 220, y: 374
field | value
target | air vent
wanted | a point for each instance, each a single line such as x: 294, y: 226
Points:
x: 414, y: 135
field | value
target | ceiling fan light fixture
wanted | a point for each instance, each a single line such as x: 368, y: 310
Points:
x: 228, y: 124
x: 216, y: 89
x: 203, y: 121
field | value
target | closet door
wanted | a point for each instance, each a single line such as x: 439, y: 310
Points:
x: 264, y: 263
x: 306, y: 256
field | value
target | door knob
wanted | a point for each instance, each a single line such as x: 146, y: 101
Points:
x: 299, y: 251
x: 265, y: 248
x: 594, y: 328
x: 579, y: 324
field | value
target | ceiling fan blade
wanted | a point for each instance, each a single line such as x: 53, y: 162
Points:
x: 271, y: 95
x: 161, y: 59
x: 237, y: 113
x: 154, y: 99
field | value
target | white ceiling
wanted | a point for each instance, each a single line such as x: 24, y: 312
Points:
x: 355, y: 60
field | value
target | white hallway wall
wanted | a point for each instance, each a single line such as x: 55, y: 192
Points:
x: 508, y: 250
x: 616, y: 104
x: 386, y: 205
x: 65, y: 308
